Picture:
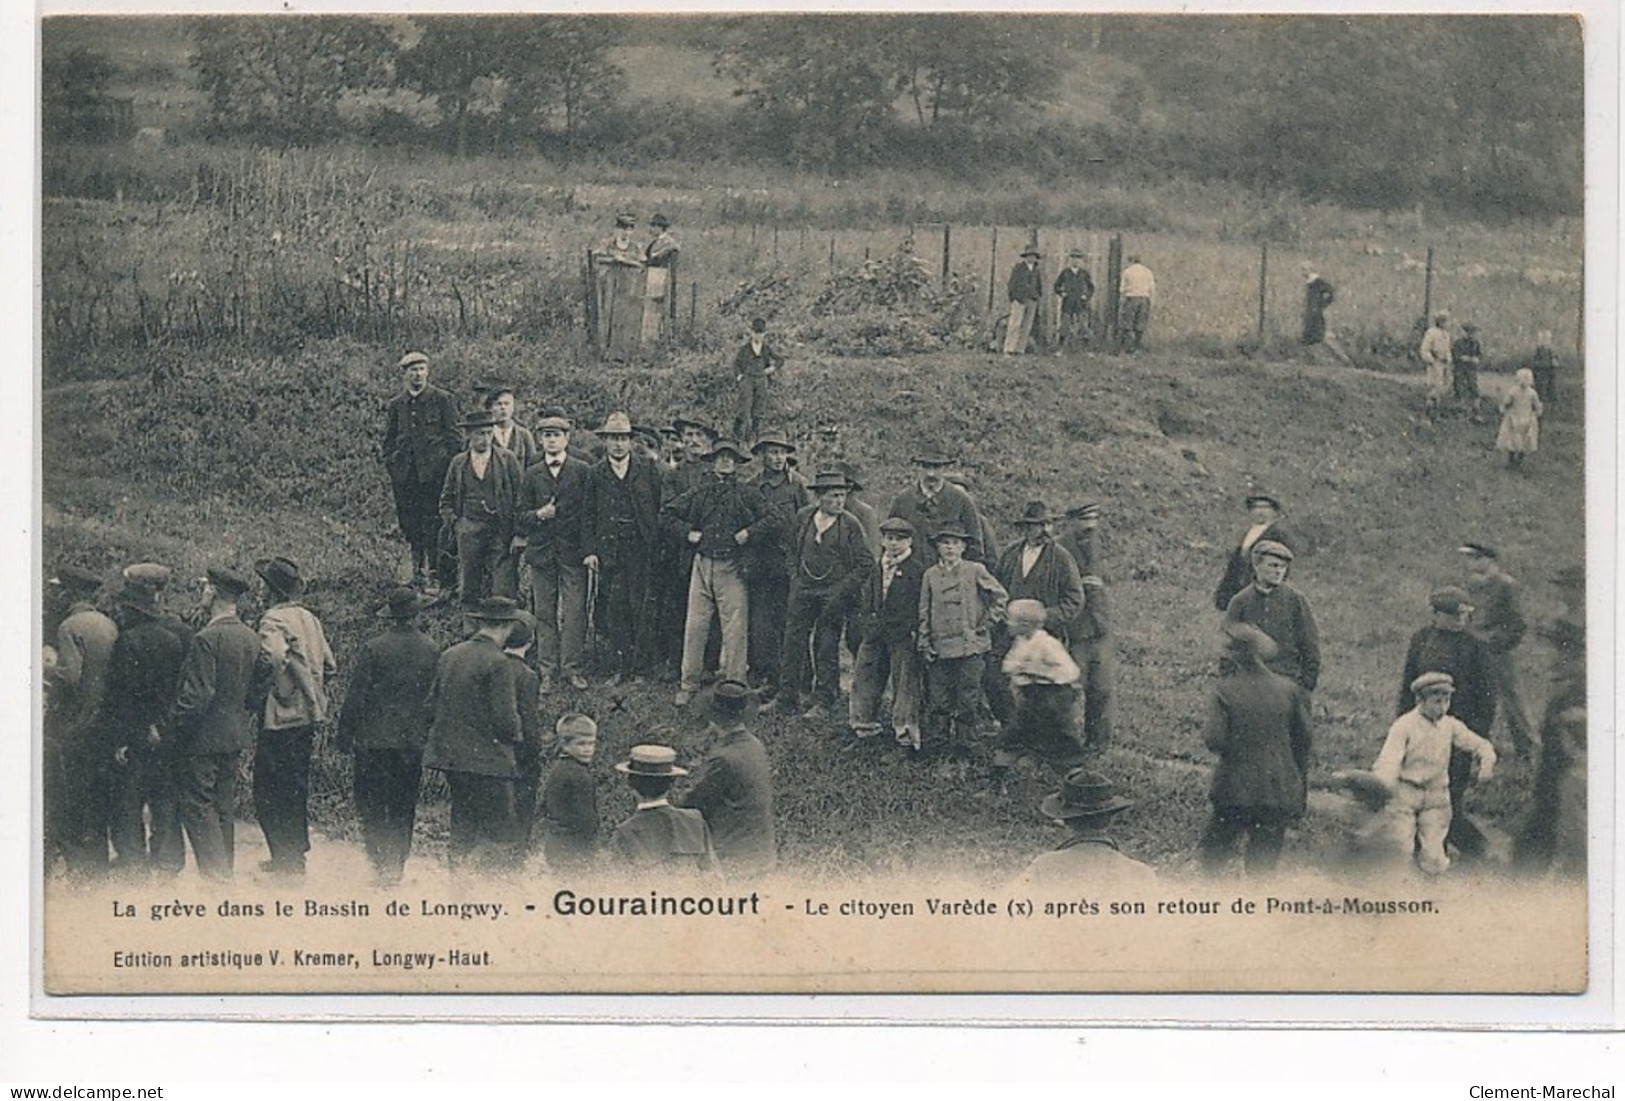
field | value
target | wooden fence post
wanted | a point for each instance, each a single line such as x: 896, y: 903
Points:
x: 693, y: 308
x: 1263, y: 280
x: 589, y: 286
x: 1427, y: 289
x: 992, y: 268
x: 947, y: 238
x: 832, y: 254
x: 1114, y: 281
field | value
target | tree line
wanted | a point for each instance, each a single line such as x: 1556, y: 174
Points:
x: 1484, y: 112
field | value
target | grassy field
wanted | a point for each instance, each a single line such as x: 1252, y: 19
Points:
x: 246, y: 455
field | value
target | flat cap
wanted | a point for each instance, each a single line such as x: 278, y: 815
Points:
x: 574, y: 724
x: 1478, y: 550
x: 1273, y: 549
x: 1450, y: 600
x: 412, y: 359
x: 1433, y: 681
x: 896, y: 525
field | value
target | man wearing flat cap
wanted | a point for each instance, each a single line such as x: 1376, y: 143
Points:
x: 1034, y: 567
x: 420, y: 437
x: 888, y: 661
x: 1497, y: 621
x: 1093, y: 647
x: 294, y: 667
x: 478, y: 503
x: 933, y: 503
x: 1075, y: 287
x: 1025, y: 290
x: 767, y: 580
x: 1264, y: 516
x: 658, y: 836
x: 1086, y: 804
x: 1281, y: 612
x: 734, y: 786
x: 552, y: 508
x: 1446, y: 646
x: 473, y: 737
x: 77, y: 771
x: 620, y: 532
x: 213, y: 724
x: 384, y: 724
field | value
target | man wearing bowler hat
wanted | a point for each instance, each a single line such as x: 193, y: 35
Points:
x: 478, y: 504
x: 620, y: 531
x: 384, y: 725
x: 475, y: 731
x: 718, y: 518
x: 1086, y: 804
x: 1280, y: 611
x: 420, y: 437
x: 734, y: 786
x: 1025, y: 290
x: 77, y: 771
x: 659, y: 836
x: 212, y: 722
x: 829, y: 558
x: 552, y: 506
x: 1035, y: 567
x: 295, y: 665
x: 785, y: 493
x: 933, y: 502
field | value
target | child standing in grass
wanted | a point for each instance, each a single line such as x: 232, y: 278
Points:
x: 959, y: 602
x: 1520, y: 420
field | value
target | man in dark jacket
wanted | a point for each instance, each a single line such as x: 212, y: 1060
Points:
x: 213, y: 724
x: 1317, y: 295
x: 474, y: 732
x: 674, y: 562
x: 829, y: 557
x: 552, y: 505
x: 619, y: 535
x: 1260, y: 728
x: 478, y: 502
x: 420, y: 437
x: 718, y: 518
x: 933, y: 503
x: 1034, y: 568
x: 1075, y: 287
x: 1092, y: 645
x: 1445, y: 646
x: 1499, y: 624
x: 734, y: 786
x: 383, y: 724
x: 768, y: 581
x: 569, y: 803
x: 1024, y: 290
x: 1280, y: 611
x: 659, y: 837
x: 1264, y: 511
x: 755, y: 364
x: 77, y: 767
x: 888, y: 607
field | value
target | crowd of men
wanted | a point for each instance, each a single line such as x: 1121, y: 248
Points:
x: 666, y: 560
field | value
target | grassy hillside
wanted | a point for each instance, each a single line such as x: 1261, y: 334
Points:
x: 244, y: 457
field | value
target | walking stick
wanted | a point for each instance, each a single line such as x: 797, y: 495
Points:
x: 592, y: 608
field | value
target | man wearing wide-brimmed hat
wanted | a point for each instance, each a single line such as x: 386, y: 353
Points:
x: 718, y: 518
x: 768, y: 578
x: 734, y: 785
x: 1280, y: 611
x: 1034, y: 567
x: 934, y: 502
x: 620, y: 532
x: 213, y: 722
x: 1086, y: 804
x: 478, y: 503
x: 1264, y: 511
x: 76, y: 769
x: 1259, y: 725
x: 420, y: 437
x: 829, y: 559
x: 1075, y: 287
x: 384, y: 725
x: 659, y: 836
x: 552, y: 508
x: 297, y: 662
x: 1025, y: 290
x: 473, y: 739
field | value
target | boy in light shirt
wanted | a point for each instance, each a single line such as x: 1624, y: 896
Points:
x: 1415, y: 765
x: 1044, y: 679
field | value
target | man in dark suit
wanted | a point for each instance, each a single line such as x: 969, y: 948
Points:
x: 420, y: 437
x: 1280, y: 611
x: 552, y: 504
x: 1035, y: 567
x: 888, y: 604
x: 934, y: 502
x: 1024, y: 290
x: 383, y: 723
x: 478, y: 502
x: 619, y: 529
x: 767, y: 582
x: 1092, y: 646
x: 213, y: 724
x: 659, y: 836
x: 1264, y: 510
x: 473, y: 735
x: 734, y: 786
x: 77, y: 770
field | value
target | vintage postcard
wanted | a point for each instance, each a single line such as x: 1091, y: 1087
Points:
x: 891, y: 503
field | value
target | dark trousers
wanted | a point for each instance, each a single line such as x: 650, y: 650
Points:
x: 77, y: 794
x: 386, y: 798
x: 1041, y: 723
x: 481, y: 545
x: 810, y: 660
x: 1464, y: 835
x: 668, y: 609
x: 1264, y: 829
x: 484, y: 827
x: 750, y: 407
x: 996, y: 693
x: 767, y: 611
x: 1097, y: 658
x: 146, y: 825
x: 623, y: 611
x: 206, y: 786
x: 952, y: 688
x: 417, y: 510
x: 282, y: 794
x: 1545, y: 384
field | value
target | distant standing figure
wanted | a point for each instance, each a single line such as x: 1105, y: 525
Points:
x: 569, y: 803
x: 755, y: 365
x: 734, y: 786
x: 659, y: 837
x: 1317, y: 295
x: 420, y: 437
x: 1264, y: 511
x: 1136, y: 288
x: 1543, y: 363
x: 1466, y: 353
x: 1519, y: 435
x: 1024, y: 289
x: 1259, y: 726
x: 660, y: 259
x: 1086, y: 804
x: 1075, y: 287
x: 619, y: 264
x: 1434, y: 352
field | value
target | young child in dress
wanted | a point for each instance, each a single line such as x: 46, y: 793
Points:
x: 1415, y: 765
x: 1520, y: 420
x: 959, y: 601
x: 1043, y: 678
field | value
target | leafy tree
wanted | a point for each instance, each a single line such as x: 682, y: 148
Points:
x: 459, y: 62
x: 74, y: 100
x: 976, y: 69
x: 282, y: 77
x: 566, y: 69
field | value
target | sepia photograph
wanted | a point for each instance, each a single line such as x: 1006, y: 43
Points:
x: 880, y: 503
